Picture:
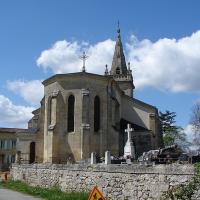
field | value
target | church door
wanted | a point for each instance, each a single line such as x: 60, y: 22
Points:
x: 32, y: 152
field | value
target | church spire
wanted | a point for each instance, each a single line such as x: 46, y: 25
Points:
x: 118, y: 62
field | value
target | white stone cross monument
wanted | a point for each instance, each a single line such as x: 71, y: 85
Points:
x: 129, y: 150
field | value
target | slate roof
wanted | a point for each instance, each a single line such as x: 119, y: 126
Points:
x: 76, y: 74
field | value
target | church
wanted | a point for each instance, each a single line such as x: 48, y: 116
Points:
x: 83, y: 113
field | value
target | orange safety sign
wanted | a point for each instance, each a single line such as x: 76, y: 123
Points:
x: 96, y: 194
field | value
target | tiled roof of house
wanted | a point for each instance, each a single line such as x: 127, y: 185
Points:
x: 12, y: 130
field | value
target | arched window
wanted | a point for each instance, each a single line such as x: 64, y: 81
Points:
x: 117, y: 70
x: 96, y: 113
x: 32, y: 152
x: 71, y: 101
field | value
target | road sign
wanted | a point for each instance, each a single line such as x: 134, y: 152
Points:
x: 96, y: 194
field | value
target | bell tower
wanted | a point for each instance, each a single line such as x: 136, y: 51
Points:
x: 119, y: 70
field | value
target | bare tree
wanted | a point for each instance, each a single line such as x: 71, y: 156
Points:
x: 195, y: 121
x: 173, y: 134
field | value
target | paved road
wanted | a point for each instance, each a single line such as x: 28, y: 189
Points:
x: 12, y: 195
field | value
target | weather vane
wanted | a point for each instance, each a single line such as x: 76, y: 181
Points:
x: 84, y: 57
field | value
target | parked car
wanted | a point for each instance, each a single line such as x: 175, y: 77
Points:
x: 165, y: 155
x: 184, y: 158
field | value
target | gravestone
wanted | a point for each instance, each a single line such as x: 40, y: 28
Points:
x: 129, y: 149
x: 107, y: 158
x: 93, y: 158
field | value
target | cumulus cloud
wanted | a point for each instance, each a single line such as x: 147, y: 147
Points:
x: 14, y: 115
x: 31, y: 91
x: 167, y: 64
x: 63, y: 56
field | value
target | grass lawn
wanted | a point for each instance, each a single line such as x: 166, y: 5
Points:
x: 49, y: 194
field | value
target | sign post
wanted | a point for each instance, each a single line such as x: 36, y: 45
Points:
x: 96, y: 194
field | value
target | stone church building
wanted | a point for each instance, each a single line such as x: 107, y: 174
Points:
x: 84, y: 112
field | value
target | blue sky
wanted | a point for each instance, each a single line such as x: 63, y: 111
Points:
x: 157, y: 38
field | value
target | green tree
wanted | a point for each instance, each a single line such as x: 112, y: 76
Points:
x: 172, y: 134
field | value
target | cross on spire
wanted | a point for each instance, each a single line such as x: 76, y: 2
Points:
x: 118, y: 63
x: 118, y: 30
x: 84, y: 57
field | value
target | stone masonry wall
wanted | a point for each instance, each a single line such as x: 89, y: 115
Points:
x: 130, y: 182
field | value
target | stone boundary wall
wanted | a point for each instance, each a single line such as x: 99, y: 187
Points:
x: 123, y: 182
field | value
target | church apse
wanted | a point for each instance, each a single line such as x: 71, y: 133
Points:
x: 85, y: 112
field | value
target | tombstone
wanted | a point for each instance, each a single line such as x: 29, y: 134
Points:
x: 129, y: 149
x: 107, y: 158
x: 93, y: 158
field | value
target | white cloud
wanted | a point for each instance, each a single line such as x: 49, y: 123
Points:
x: 14, y: 115
x: 31, y: 91
x: 63, y: 56
x: 167, y: 64
x: 100, y: 55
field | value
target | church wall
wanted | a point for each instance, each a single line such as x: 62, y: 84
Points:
x: 50, y: 126
x: 40, y: 135
x: 104, y: 139
x: 135, y: 113
x: 96, y: 138
x: 114, y: 130
x: 23, y: 145
x: 36, y: 126
x: 147, y: 117
x: 66, y: 145
x: 142, y: 142
x: 80, y: 143
x: 127, y: 87
x: 39, y: 146
x: 72, y: 140
x: 47, y: 146
x: 114, y: 115
x: 153, y: 128
x: 156, y: 133
x: 63, y: 145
